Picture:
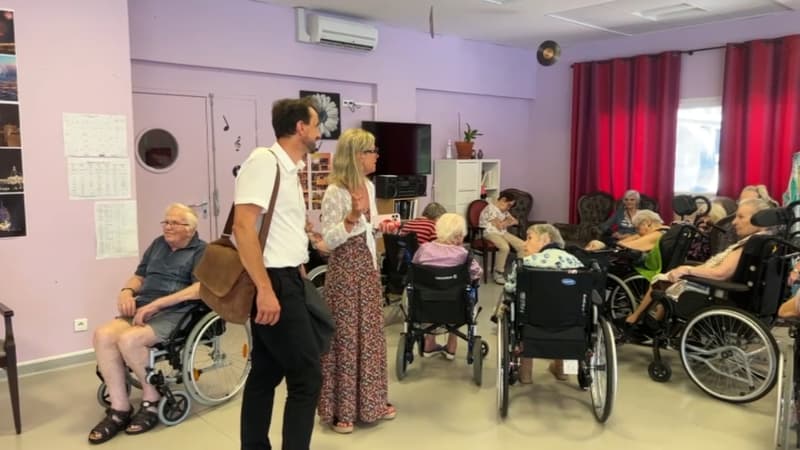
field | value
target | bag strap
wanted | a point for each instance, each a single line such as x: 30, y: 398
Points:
x: 265, y: 224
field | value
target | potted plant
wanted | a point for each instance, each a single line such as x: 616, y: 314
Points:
x: 464, y: 148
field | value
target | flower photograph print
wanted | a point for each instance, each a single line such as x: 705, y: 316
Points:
x: 328, y: 105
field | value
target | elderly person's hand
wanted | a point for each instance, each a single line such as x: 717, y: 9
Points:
x: 678, y: 273
x: 126, y: 303
x: 144, y: 313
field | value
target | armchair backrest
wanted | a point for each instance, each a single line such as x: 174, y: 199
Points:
x: 523, y: 205
x: 594, y: 208
x: 474, y: 211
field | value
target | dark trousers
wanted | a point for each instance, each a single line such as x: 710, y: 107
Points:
x: 286, y: 349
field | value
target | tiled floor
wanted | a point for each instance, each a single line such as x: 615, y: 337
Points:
x: 438, y: 408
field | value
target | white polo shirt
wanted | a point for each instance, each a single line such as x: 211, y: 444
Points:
x: 287, y: 241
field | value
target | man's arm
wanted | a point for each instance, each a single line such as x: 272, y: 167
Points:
x: 191, y: 292
x: 250, y: 253
x: 126, y: 299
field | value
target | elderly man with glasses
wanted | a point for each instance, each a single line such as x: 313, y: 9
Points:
x: 150, y: 304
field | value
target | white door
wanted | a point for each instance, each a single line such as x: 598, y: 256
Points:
x: 172, y: 160
x: 235, y: 136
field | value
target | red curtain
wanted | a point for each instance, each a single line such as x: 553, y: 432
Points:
x: 624, y: 119
x: 760, y: 115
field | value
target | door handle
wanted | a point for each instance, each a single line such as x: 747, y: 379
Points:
x: 203, y: 206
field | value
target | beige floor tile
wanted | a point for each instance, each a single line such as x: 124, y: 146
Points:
x: 439, y: 407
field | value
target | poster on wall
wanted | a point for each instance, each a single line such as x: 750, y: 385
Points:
x: 329, y: 106
x: 12, y: 186
x: 314, y: 179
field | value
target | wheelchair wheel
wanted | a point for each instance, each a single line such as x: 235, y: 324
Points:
x: 216, y: 359
x: 102, y: 394
x: 401, y: 359
x: 174, y: 411
x: 729, y: 354
x: 637, y: 286
x: 477, y: 360
x: 603, y: 371
x: 620, y: 300
x: 659, y: 371
x: 317, y: 276
x: 503, y: 364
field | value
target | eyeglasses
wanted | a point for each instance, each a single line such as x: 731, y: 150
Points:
x: 172, y: 223
x: 371, y: 151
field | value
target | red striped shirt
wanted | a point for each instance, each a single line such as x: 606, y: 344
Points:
x: 424, y: 227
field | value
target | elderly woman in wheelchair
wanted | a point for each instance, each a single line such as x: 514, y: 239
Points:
x: 446, y: 251
x: 550, y: 309
x: 442, y: 292
x: 157, y: 307
x: 717, y: 314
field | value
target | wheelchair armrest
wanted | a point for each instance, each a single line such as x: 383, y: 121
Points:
x: 717, y: 284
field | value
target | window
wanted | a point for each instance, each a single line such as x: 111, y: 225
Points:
x: 697, y: 146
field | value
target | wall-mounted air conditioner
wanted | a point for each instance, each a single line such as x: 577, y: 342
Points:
x: 327, y: 30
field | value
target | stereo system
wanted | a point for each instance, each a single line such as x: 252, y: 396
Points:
x: 400, y: 186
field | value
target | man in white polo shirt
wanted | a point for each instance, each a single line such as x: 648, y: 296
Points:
x: 283, y: 341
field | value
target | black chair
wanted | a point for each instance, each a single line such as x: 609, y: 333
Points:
x: 554, y: 314
x: 441, y: 297
x: 721, y: 328
x: 8, y: 362
x: 399, y: 251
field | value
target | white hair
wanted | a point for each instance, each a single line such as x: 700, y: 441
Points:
x: 645, y: 215
x: 188, y: 213
x: 450, y: 226
x: 546, y: 228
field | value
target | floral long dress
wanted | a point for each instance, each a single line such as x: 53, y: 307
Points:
x: 354, y: 375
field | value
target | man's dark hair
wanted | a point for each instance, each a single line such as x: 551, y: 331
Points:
x: 508, y: 196
x: 286, y: 112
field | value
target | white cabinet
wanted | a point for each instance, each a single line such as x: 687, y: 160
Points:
x: 457, y: 182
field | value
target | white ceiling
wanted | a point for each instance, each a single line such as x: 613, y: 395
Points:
x: 526, y: 23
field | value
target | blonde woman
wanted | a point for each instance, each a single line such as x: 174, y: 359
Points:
x: 354, y: 375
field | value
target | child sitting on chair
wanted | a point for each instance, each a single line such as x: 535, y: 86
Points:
x: 446, y: 251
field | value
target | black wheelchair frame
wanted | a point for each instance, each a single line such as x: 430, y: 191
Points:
x: 440, y: 298
x: 555, y: 314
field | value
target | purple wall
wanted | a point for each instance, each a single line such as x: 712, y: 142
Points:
x: 701, y: 77
x: 69, y: 61
x: 249, y: 49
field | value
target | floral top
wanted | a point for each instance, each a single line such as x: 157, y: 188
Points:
x: 551, y: 257
x: 336, y: 204
x: 489, y: 213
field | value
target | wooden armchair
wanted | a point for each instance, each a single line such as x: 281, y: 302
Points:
x: 593, y: 209
x: 523, y: 205
x: 8, y: 361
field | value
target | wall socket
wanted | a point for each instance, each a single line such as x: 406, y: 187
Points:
x: 81, y: 324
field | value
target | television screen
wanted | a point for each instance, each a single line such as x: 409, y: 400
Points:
x: 405, y: 148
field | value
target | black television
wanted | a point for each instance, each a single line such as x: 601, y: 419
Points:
x: 405, y: 148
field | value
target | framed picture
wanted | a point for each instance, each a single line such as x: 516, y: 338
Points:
x: 329, y: 105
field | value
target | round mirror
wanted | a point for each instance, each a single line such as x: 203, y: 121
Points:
x: 157, y: 150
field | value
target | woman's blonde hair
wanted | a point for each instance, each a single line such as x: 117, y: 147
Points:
x: 188, y: 213
x: 717, y: 212
x: 347, y: 171
x: 546, y: 228
x: 645, y: 215
x: 450, y: 226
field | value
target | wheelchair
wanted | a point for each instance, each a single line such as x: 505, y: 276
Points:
x: 399, y: 251
x: 208, y: 356
x: 555, y: 314
x: 440, y: 298
x: 721, y: 329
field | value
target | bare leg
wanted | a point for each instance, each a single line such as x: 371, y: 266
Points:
x: 643, y: 305
x: 452, y: 343
x: 110, y: 362
x: 526, y: 370
x: 135, y: 348
x: 430, y: 343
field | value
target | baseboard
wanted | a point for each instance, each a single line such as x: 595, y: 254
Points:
x: 49, y: 364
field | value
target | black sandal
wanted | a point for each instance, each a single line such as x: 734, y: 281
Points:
x: 114, y: 422
x: 144, y: 420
